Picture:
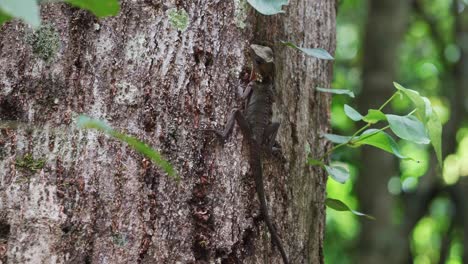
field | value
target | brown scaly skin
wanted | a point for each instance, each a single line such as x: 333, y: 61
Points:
x: 257, y: 127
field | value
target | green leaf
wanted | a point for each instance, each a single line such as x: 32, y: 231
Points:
x: 340, y: 206
x: 352, y: 113
x: 374, y: 116
x: 338, y: 139
x: 336, y: 91
x: 317, y: 52
x: 381, y: 140
x: 268, y: 7
x: 139, y: 146
x: 27, y: 10
x: 417, y: 100
x: 87, y: 122
x: 4, y: 17
x: 428, y: 116
x: 314, y: 162
x: 409, y: 128
x: 338, y: 173
x: 434, y: 129
x: 101, y: 8
x: 427, y: 102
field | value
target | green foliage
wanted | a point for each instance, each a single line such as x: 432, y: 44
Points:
x: 352, y: 113
x: 374, y: 116
x: 268, y: 7
x: 380, y: 139
x: 315, y: 162
x: 178, y: 18
x: 421, y: 67
x: 372, y: 137
x: 409, y: 128
x: 139, y: 146
x: 338, y: 173
x: 340, y: 206
x: 28, y: 10
x: 428, y: 233
x: 338, y: 139
x: 429, y: 118
x: 27, y: 162
x: 336, y: 91
x: 101, y: 8
x: 45, y: 42
x: 411, y: 169
x: 406, y: 127
x: 316, y: 52
x: 342, y: 227
x: 3, y: 17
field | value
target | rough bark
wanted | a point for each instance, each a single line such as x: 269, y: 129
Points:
x: 95, y: 200
x: 380, y: 239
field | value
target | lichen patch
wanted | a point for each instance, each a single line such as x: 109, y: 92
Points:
x: 178, y: 18
x: 240, y: 13
x: 45, y: 42
x: 136, y: 48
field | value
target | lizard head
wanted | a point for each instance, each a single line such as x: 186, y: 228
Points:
x: 263, y: 63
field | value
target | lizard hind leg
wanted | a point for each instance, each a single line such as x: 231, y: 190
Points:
x: 236, y: 115
x: 270, y: 134
x: 270, y: 147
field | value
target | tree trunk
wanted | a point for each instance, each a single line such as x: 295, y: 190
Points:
x: 379, y: 240
x: 160, y: 71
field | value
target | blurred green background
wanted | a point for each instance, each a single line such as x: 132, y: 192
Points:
x: 421, y: 210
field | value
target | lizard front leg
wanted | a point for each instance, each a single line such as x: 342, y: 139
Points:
x: 236, y: 115
x: 244, y: 94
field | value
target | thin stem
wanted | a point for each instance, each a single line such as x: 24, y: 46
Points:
x: 364, y: 128
x: 345, y: 143
x: 414, y: 110
x: 373, y: 133
x: 352, y: 137
x: 332, y: 149
x: 359, y: 131
x: 389, y: 100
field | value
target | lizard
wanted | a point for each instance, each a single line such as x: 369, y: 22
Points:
x: 256, y: 125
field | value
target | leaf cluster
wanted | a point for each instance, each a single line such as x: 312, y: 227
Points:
x: 28, y: 10
x: 420, y: 126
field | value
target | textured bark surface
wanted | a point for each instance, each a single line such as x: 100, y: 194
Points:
x: 77, y: 196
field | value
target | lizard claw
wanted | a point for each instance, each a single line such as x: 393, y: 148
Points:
x: 274, y: 152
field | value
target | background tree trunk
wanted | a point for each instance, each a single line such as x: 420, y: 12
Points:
x: 159, y: 71
x: 379, y: 240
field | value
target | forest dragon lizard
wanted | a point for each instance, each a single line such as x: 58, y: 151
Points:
x: 256, y: 125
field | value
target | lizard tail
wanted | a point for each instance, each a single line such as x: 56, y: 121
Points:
x: 258, y: 175
x: 275, y: 238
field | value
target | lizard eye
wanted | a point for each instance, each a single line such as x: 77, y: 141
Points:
x: 259, y: 60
